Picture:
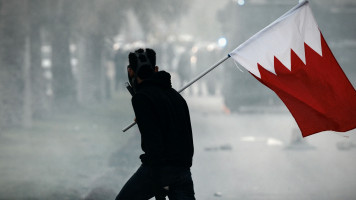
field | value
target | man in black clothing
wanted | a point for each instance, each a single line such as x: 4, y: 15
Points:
x: 163, y: 119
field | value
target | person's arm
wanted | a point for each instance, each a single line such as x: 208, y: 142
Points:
x: 147, y: 122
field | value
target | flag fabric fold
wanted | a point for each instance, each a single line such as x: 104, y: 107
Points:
x: 291, y: 57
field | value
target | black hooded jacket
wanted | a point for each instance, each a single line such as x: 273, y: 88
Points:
x: 163, y: 119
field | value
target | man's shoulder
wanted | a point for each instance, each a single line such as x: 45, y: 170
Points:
x: 155, y: 91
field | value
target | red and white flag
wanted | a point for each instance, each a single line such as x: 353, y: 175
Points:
x: 291, y: 57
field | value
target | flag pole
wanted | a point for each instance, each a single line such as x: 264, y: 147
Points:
x: 189, y: 84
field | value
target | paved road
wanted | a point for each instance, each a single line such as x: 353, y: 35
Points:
x: 262, y: 156
x: 237, y: 156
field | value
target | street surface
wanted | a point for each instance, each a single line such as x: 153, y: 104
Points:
x: 249, y: 156
x: 262, y: 156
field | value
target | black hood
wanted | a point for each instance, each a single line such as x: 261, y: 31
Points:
x: 161, y: 78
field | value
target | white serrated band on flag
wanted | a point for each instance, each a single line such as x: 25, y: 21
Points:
x: 290, y: 31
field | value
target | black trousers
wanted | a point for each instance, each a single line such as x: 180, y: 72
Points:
x: 144, y: 185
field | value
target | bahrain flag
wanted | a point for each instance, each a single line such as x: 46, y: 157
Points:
x: 291, y: 57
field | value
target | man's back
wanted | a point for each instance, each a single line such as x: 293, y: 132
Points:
x: 163, y: 119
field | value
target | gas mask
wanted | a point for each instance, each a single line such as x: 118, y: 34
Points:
x: 142, y: 61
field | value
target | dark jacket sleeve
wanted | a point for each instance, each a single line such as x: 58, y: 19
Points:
x: 147, y: 122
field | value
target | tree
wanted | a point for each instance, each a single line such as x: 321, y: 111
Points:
x: 64, y: 86
x: 97, y: 22
x: 89, y: 25
x: 13, y: 30
x: 37, y: 22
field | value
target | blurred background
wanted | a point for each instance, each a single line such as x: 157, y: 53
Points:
x: 63, y: 101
